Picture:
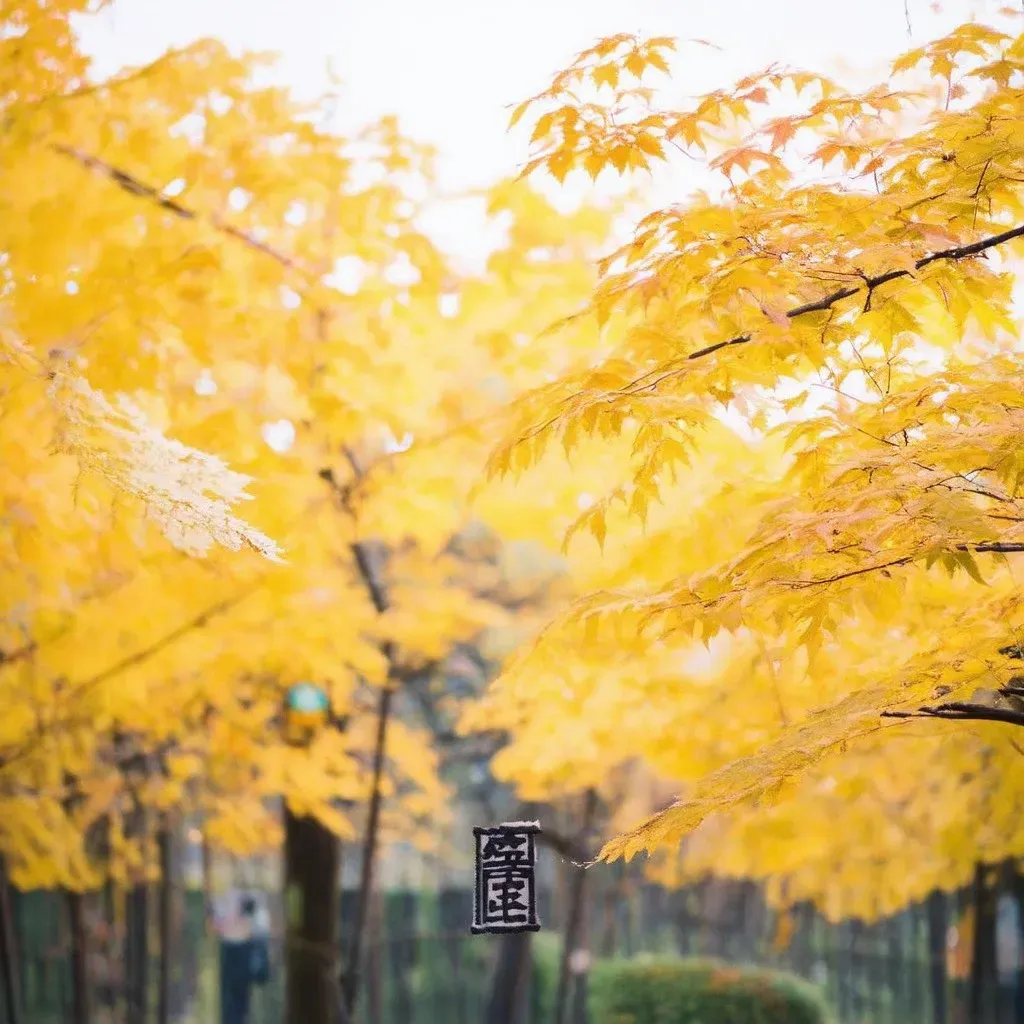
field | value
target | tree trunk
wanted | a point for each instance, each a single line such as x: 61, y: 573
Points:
x: 612, y: 898
x: 311, y: 868
x: 79, y: 958
x: 508, y: 1002
x: 375, y: 962
x: 713, y: 908
x: 575, y: 917
x: 983, y: 956
x: 1017, y: 886
x: 11, y: 976
x: 580, y: 993
x: 802, y: 942
x: 207, y: 856
x: 938, y: 924
x: 350, y: 982
x: 164, y: 913
x: 844, y: 966
x: 137, y: 952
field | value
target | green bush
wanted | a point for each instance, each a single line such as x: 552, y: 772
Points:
x: 682, y: 991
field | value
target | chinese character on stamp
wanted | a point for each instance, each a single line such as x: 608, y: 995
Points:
x: 505, y: 897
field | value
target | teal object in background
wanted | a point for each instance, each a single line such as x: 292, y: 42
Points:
x: 307, y: 698
x: 307, y: 711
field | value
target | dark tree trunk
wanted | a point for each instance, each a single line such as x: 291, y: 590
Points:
x: 574, y: 924
x: 628, y: 904
x: 938, y: 924
x: 1017, y: 887
x: 135, y: 768
x: 578, y: 1012
x: 802, y: 942
x: 843, y: 965
x: 207, y: 856
x: 612, y: 898
x: 751, y: 922
x: 8, y: 953
x: 706, y: 944
x: 375, y: 964
x: 508, y: 1002
x: 112, y: 945
x: 896, y: 980
x: 715, y: 897
x: 351, y: 980
x: 679, y: 909
x: 860, y: 971
x: 983, y: 956
x: 311, y: 866
x: 79, y: 958
x: 137, y: 953
x: 165, y: 923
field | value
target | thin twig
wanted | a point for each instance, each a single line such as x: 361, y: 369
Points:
x: 959, y: 711
x: 136, y: 187
x: 827, y: 302
x: 650, y: 380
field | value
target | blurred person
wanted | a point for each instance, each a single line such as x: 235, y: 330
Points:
x: 243, y: 929
x: 259, y: 941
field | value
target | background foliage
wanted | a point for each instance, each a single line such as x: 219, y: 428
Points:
x: 698, y: 539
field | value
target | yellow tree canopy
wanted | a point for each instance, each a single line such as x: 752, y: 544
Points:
x: 199, y: 274
x: 843, y: 299
x: 863, y: 842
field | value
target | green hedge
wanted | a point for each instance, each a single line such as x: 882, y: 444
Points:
x: 699, y: 992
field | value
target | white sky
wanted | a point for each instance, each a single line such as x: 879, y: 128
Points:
x: 450, y: 68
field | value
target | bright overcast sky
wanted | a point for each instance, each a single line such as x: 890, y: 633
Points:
x: 450, y: 68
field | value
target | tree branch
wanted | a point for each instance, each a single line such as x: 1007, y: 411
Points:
x: 134, y: 186
x: 649, y: 381
x: 963, y: 712
x: 992, y: 547
x: 983, y: 547
x: 361, y: 552
x: 567, y: 847
x: 377, y: 590
x: 133, y: 659
x: 871, y: 283
x: 18, y: 654
x: 145, y: 653
x: 572, y: 848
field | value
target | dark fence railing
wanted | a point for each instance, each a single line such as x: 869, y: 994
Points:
x: 422, y: 965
